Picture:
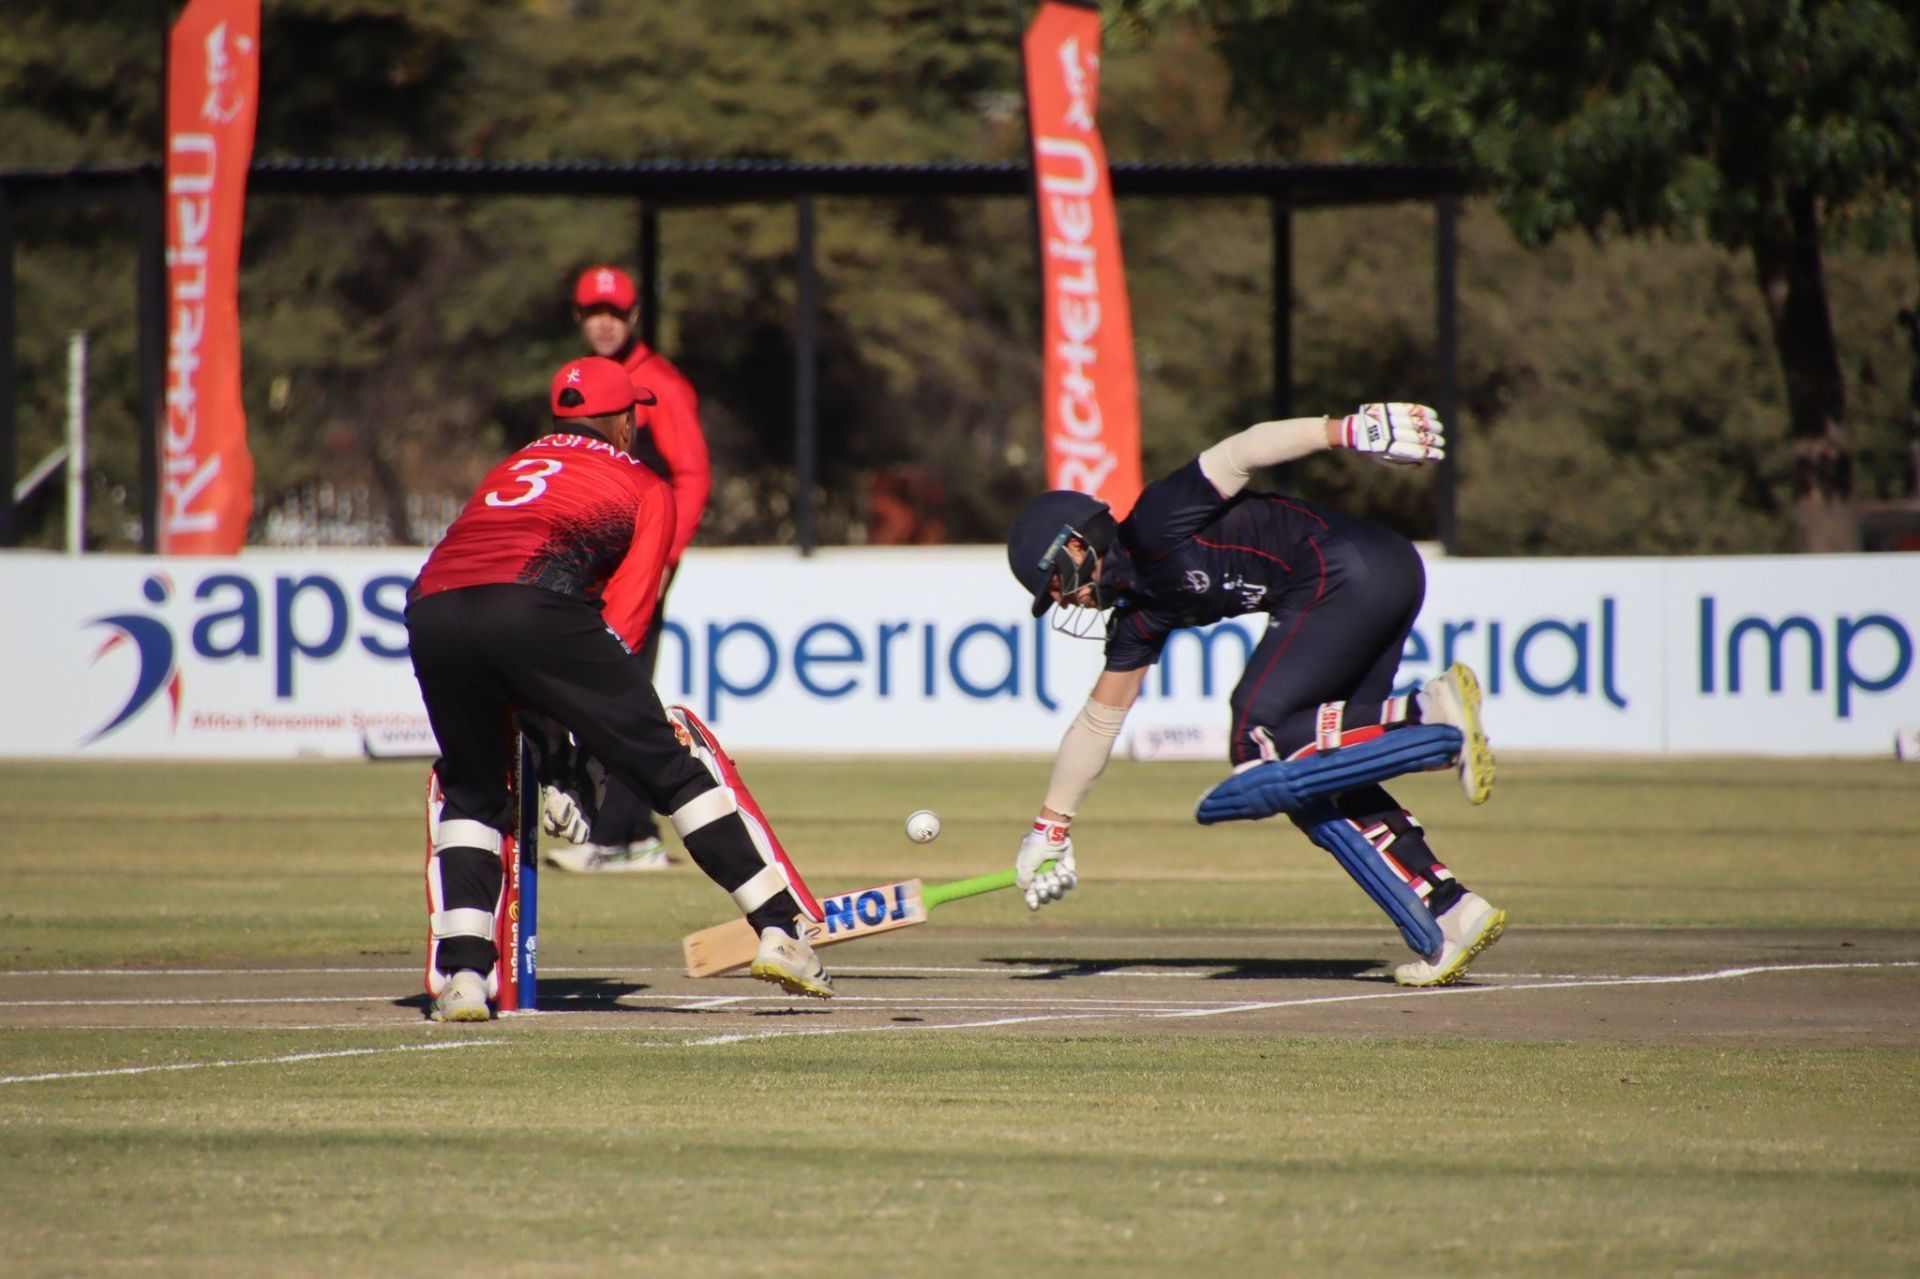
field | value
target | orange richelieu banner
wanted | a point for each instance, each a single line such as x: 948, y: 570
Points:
x: 213, y: 84
x: 1092, y: 400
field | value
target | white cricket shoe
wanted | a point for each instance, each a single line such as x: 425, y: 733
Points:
x: 463, y: 998
x: 789, y: 963
x: 642, y: 854
x: 1468, y: 928
x: 1453, y: 697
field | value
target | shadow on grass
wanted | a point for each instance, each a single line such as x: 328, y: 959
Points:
x: 1239, y: 969
x: 586, y: 994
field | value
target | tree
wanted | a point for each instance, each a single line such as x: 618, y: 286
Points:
x: 1769, y: 125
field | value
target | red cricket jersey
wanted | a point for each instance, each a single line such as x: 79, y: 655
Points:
x: 570, y: 514
x: 670, y: 440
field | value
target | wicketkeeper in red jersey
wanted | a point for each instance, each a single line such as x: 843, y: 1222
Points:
x: 533, y: 602
x: 618, y: 833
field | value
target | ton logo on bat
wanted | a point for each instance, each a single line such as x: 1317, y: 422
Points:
x: 843, y: 914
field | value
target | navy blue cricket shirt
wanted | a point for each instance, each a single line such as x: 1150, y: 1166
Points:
x: 1189, y: 557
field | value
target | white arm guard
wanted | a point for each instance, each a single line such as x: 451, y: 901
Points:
x: 1082, y: 756
x: 1232, y: 462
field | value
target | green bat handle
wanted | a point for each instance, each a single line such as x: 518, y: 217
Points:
x: 991, y: 883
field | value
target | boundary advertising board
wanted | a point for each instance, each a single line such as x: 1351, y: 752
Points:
x: 289, y: 654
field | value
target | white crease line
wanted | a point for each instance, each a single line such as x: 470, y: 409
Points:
x: 941, y: 968
x: 278, y: 972
x: 1116, y: 1003
x: 1026, y: 970
x: 195, y: 972
x: 385, y: 997
x: 1158, y: 1007
x: 918, y: 1001
x: 267, y: 1027
x: 596, y: 970
x: 1722, y: 974
x: 256, y: 1061
x: 983, y: 1004
x: 1094, y: 1010
x: 870, y: 1030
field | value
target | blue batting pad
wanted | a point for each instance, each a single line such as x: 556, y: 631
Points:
x: 1291, y: 785
x: 1360, y: 859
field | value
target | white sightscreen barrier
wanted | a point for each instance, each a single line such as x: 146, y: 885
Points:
x: 283, y: 654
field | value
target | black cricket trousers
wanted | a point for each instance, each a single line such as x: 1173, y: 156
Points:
x: 482, y: 652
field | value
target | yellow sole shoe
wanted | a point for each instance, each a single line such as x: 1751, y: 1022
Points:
x: 792, y: 983
x: 1455, y: 968
x: 1476, y: 754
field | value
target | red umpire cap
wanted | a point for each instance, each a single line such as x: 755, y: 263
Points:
x: 604, y: 286
x: 593, y: 386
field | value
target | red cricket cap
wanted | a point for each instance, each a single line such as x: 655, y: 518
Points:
x: 605, y: 286
x: 593, y: 386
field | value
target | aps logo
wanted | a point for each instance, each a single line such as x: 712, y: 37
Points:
x: 278, y: 624
x: 153, y: 644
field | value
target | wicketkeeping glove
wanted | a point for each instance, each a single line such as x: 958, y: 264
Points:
x: 560, y: 815
x: 1395, y: 434
x: 1047, y: 841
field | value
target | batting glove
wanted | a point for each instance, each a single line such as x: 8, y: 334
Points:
x: 560, y: 815
x: 1048, y: 841
x: 1395, y: 434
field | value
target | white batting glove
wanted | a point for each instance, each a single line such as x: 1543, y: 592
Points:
x: 1048, y: 841
x: 1395, y: 434
x: 560, y: 815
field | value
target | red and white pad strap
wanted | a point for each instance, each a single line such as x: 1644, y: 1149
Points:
x: 707, y: 749
x: 1327, y: 735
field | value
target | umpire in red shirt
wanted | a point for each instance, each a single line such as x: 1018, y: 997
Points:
x: 532, y: 602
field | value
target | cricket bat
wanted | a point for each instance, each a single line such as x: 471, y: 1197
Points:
x: 864, y: 912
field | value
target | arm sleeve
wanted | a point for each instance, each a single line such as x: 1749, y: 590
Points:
x: 683, y: 447
x: 1135, y: 638
x: 1171, y: 510
x: 1229, y: 464
x: 1083, y: 755
x: 633, y: 592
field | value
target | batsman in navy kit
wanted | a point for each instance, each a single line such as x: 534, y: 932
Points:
x: 532, y: 605
x: 1315, y: 726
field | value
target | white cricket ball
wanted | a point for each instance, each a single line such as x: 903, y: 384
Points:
x: 923, y: 826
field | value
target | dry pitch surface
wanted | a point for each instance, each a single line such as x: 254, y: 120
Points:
x: 1806, y: 988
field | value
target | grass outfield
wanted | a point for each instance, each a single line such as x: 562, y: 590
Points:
x: 1426, y: 1140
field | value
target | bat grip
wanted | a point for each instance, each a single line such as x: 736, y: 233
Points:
x: 954, y: 891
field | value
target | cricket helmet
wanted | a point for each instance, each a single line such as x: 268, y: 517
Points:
x: 1036, y: 546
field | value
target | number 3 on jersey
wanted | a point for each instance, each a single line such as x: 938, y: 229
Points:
x: 535, y: 480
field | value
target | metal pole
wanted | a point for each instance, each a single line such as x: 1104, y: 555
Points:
x: 76, y: 443
x: 8, y: 444
x: 1280, y: 211
x: 649, y: 273
x: 1446, y: 255
x: 152, y: 305
x: 1280, y: 216
x: 806, y: 428
x: 153, y: 354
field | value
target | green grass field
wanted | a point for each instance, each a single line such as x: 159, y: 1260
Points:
x: 1607, y: 1130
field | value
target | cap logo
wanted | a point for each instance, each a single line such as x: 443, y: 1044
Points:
x: 573, y: 375
x: 603, y: 281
